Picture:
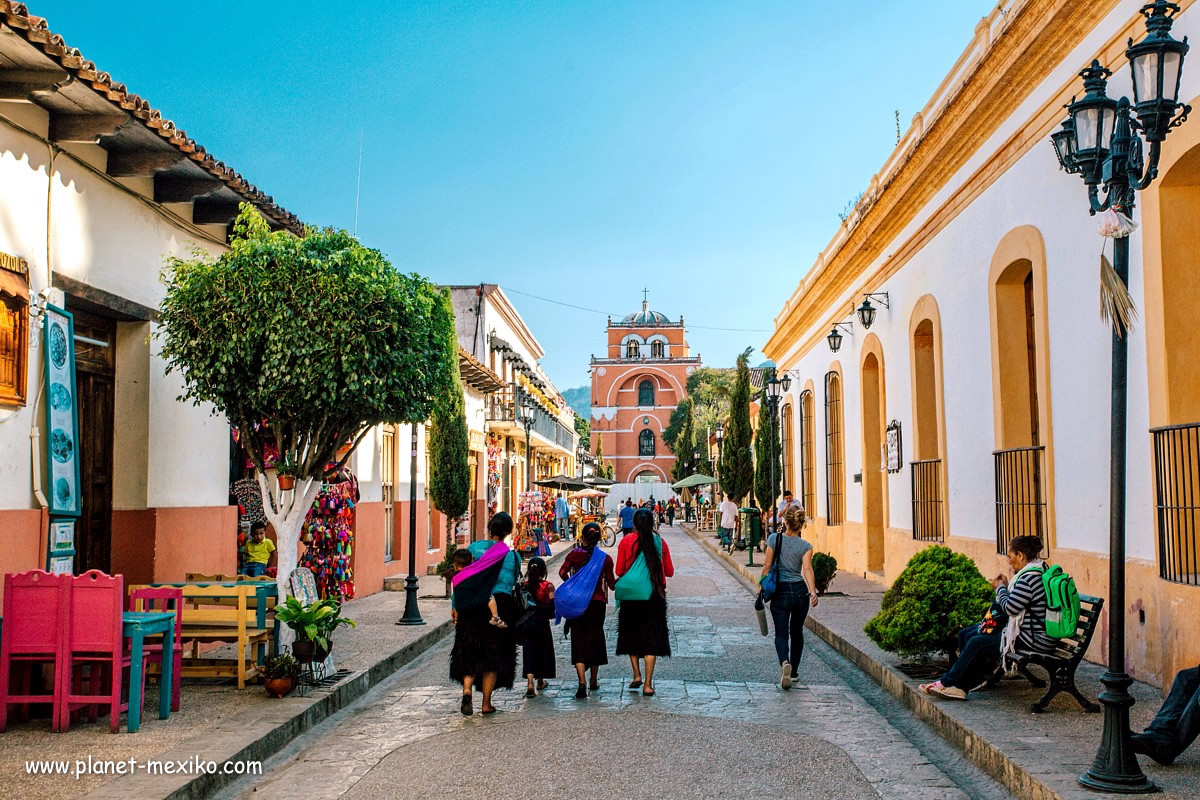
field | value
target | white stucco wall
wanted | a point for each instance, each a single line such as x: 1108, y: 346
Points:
x: 954, y: 268
x: 111, y: 240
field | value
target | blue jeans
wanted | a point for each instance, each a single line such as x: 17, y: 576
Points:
x: 562, y: 527
x: 1177, y: 723
x: 254, y: 568
x: 726, y: 535
x: 789, y: 609
x: 978, y: 655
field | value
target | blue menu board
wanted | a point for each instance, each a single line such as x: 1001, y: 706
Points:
x: 62, y: 414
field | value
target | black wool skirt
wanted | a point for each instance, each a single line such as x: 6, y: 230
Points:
x: 588, y: 645
x: 537, y: 648
x: 480, y: 647
x: 642, y: 627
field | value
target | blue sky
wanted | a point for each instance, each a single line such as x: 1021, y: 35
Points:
x: 574, y: 150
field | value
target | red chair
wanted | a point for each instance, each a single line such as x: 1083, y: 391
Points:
x: 35, y: 619
x: 95, y: 645
x: 162, y: 599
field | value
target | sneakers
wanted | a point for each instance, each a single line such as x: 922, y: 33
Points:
x: 786, y: 678
x: 945, y: 692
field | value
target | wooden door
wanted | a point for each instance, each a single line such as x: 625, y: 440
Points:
x: 95, y: 339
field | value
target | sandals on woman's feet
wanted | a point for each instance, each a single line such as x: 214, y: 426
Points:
x: 488, y: 711
x: 635, y: 684
x: 499, y: 623
x: 581, y: 692
x: 542, y: 685
x: 530, y: 693
x: 647, y: 692
x: 465, y: 707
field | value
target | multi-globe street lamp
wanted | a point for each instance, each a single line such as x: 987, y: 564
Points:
x: 1101, y: 141
x: 776, y: 388
x: 527, y: 410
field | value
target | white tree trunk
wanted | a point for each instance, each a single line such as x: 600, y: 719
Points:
x: 292, y: 508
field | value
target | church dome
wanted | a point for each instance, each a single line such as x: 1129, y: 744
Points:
x: 646, y: 317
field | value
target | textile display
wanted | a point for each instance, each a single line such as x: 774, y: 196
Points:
x: 329, y: 533
x: 495, y: 456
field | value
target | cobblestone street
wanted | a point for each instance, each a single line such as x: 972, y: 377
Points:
x: 720, y: 726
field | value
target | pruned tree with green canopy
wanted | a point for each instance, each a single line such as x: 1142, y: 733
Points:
x: 737, y: 460
x: 685, y: 445
x: 307, y: 341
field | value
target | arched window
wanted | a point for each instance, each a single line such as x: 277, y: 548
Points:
x: 808, y: 458
x: 658, y: 350
x: 835, y: 477
x: 646, y: 443
x: 788, y: 455
x: 632, y: 349
x: 646, y: 393
x: 928, y: 470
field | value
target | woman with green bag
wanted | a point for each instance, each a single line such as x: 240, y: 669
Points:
x: 643, y: 566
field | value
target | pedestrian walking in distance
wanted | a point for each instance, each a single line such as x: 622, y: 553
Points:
x: 642, y: 632
x: 791, y: 599
x: 537, y: 640
x: 589, y: 648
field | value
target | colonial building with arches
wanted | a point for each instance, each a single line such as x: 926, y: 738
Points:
x: 975, y: 407
x: 635, y: 387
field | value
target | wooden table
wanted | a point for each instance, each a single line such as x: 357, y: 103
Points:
x: 136, y: 626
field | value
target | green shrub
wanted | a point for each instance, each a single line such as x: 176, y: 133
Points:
x: 938, y: 593
x: 824, y: 569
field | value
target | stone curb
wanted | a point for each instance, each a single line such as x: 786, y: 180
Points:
x: 278, y: 737
x: 982, y: 753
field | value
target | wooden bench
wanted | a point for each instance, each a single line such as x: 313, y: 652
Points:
x: 1060, y: 666
x: 225, y: 614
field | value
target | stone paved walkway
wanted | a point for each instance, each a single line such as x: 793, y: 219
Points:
x: 828, y: 740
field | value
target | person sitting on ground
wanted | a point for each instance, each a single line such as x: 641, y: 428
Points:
x: 260, y: 551
x: 1177, y: 723
x: 1024, y: 602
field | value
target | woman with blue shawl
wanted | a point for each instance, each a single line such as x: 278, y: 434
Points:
x: 589, y: 648
x: 485, y: 655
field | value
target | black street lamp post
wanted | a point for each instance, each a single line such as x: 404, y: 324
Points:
x: 777, y: 387
x: 720, y: 434
x: 412, y: 612
x: 1101, y: 140
x: 527, y: 407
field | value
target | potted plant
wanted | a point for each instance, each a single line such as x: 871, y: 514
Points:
x: 824, y: 569
x: 314, y: 626
x: 285, y: 473
x: 280, y: 673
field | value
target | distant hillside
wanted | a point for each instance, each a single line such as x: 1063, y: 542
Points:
x: 580, y: 399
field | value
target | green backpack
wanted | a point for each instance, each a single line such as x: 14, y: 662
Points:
x: 1062, y: 603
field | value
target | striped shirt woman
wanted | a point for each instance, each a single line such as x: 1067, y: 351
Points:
x: 1027, y: 594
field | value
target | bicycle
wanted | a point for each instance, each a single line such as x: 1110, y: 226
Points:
x: 609, y: 537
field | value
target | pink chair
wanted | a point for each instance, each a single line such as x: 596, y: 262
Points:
x: 35, y: 618
x: 162, y: 599
x: 95, y: 644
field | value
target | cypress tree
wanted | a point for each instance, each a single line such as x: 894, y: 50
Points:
x: 737, y: 460
x: 766, y: 449
x: 449, y: 468
x: 685, y: 445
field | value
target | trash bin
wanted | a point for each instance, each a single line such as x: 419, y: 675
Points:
x: 751, y: 531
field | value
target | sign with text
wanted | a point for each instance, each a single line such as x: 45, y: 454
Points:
x: 894, y: 449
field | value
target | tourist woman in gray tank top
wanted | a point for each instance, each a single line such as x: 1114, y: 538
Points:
x: 791, y: 600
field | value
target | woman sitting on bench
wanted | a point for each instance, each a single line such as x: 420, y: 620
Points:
x: 1024, y: 605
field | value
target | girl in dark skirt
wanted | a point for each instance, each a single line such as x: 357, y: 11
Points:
x: 537, y: 641
x: 484, y: 656
x: 642, y: 624
x: 589, y: 648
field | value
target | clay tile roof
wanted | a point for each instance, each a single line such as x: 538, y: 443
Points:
x: 36, y: 31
